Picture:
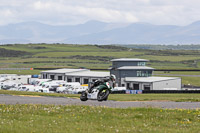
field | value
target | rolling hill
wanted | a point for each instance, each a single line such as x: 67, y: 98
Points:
x: 95, y: 32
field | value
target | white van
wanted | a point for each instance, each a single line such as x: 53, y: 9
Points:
x: 27, y: 88
x: 45, y: 90
x: 67, y: 86
x: 9, y: 84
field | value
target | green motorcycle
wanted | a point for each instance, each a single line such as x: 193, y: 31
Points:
x: 100, y: 90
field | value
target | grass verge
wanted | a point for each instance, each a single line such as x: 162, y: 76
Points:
x: 86, y: 119
x: 38, y: 94
x: 156, y: 97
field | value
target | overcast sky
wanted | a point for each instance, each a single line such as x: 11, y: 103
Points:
x: 61, y: 12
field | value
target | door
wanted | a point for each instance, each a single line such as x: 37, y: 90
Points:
x: 146, y: 87
x: 135, y: 86
x: 128, y: 86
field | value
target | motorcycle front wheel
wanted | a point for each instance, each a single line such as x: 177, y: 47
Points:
x: 103, y: 95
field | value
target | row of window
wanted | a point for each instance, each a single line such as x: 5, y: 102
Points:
x: 143, y: 74
x: 85, y: 80
x: 138, y: 64
x: 141, y: 63
x: 137, y: 87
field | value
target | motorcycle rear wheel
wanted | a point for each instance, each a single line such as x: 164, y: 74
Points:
x: 103, y: 95
x: 83, y: 96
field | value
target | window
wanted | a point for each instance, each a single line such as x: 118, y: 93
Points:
x: 69, y: 80
x: 52, y: 77
x: 149, y: 75
x: 85, y: 81
x: 59, y: 77
x: 143, y: 74
x: 139, y: 73
x: 77, y: 80
x: 44, y: 76
x: 141, y: 63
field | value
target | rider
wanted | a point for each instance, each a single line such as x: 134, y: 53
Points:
x: 111, y: 81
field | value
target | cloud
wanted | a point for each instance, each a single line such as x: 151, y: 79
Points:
x: 87, y: 11
x: 179, y: 12
x: 6, y: 13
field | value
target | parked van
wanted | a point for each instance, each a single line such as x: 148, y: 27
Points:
x: 27, y: 88
x: 45, y: 90
x: 67, y: 86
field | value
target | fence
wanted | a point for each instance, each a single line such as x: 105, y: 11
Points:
x: 154, y: 91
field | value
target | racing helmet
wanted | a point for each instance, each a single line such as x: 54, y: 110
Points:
x: 112, y: 77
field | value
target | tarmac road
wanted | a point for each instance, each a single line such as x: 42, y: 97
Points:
x: 9, y: 99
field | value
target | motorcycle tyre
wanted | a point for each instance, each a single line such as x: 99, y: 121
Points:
x: 105, y: 97
x: 83, y: 96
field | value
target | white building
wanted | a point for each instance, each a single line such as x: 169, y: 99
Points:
x: 130, y: 73
x: 153, y: 83
x: 23, y: 79
x: 59, y: 74
x: 84, y: 76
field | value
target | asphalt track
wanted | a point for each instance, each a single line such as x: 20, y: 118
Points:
x: 9, y: 99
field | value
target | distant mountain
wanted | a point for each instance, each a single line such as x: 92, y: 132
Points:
x: 135, y: 33
x: 95, y: 32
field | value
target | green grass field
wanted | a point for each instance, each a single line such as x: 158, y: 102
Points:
x: 156, y: 97
x: 93, y: 57
x: 20, y: 72
x: 86, y: 119
x: 178, y: 72
x: 72, y: 119
x: 186, y: 77
x: 38, y: 94
x: 120, y: 97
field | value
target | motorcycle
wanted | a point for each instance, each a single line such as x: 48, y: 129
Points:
x: 100, y: 90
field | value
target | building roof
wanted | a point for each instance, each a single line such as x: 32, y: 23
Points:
x: 149, y: 79
x: 89, y: 74
x: 130, y: 59
x: 135, y: 68
x: 64, y: 71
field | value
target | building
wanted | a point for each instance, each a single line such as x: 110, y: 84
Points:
x: 131, y: 73
x: 20, y: 79
x: 127, y: 67
x: 59, y: 74
x: 84, y: 76
x: 153, y: 83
